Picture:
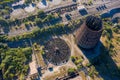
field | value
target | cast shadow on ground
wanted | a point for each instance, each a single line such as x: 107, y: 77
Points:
x: 100, y: 58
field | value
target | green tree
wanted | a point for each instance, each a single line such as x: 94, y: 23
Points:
x: 3, y: 22
x: 71, y: 71
x: 38, y: 21
x: 41, y: 14
x: 14, y: 62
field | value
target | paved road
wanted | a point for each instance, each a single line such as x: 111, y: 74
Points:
x: 91, y: 10
x: 58, y: 6
x: 110, y: 5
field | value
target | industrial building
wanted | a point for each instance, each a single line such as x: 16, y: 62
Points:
x: 57, y: 51
x: 88, y: 35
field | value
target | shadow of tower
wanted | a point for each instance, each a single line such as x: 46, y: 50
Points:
x: 100, y: 58
x: 88, y: 40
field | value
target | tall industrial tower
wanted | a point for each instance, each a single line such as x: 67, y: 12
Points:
x: 89, y: 33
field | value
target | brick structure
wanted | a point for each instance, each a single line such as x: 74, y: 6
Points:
x: 57, y: 51
x: 89, y: 33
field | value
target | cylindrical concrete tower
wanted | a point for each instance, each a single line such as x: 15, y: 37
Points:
x: 89, y: 33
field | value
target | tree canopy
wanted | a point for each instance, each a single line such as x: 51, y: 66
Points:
x: 14, y: 61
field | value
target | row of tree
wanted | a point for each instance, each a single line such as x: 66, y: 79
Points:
x: 56, y: 29
x: 39, y: 19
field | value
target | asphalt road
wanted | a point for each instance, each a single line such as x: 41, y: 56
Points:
x: 110, y: 5
x: 90, y: 9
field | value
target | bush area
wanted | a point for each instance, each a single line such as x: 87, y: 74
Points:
x: 71, y: 71
x: 92, y: 71
x: 77, y: 61
x: 14, y: 61
x: 110, y: 33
